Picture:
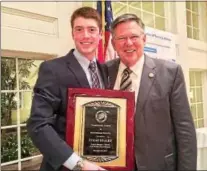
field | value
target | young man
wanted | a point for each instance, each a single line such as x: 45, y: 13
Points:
x: 47, y: 123
x: 165, y: 136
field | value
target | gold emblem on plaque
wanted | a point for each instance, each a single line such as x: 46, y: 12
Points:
x: 101, y: 116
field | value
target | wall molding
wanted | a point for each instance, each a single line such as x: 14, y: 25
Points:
x: 28, y: 21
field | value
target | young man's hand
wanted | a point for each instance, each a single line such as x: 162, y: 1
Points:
x: 91, y: 166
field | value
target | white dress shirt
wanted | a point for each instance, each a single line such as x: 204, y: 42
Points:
x: 135, y: 75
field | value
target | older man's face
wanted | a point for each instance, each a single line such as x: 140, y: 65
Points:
x: 129, y: 40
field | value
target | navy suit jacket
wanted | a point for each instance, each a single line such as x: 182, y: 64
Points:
x: 47, y: 123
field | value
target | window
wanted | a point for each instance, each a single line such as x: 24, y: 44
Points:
x: 196, y: 99
x: 152, y: 13
x: 203, y: 6
x: 192, y: 16
x: 196, y: 16
x: 17, y: 80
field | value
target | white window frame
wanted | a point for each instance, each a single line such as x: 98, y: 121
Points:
x: 202, y: 10
x: 204, y: 92
x: 18, y: 125
x: 202, y: 31
x: 166, y: 12
x: 204, y: 79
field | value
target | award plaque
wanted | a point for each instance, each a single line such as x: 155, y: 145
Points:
x: 100, y: 127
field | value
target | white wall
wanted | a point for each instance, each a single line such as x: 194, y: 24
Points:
x: 197, y: 54
x: 40, y: 27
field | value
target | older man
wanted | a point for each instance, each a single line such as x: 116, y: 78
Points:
x: 165, y: 136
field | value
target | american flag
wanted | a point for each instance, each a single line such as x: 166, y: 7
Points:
x: 108, y: 52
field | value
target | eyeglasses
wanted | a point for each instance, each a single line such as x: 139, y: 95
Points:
x: 133, y: 38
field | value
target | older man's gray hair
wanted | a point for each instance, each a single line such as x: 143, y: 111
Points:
x: 124, y: 18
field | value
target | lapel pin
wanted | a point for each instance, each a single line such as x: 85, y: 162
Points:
x: 151, y: 75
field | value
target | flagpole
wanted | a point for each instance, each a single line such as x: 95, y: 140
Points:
x: 103, y: 25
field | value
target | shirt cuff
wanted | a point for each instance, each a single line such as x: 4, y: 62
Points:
x: 72, y: 161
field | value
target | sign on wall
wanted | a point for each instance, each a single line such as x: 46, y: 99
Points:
x: 160, y: 44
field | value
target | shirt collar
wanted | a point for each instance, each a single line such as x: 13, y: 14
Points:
x: 135, y: 68
x: 84, y: 62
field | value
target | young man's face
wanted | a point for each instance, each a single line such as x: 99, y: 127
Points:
x: 86, y: 35
x: 129, y: 41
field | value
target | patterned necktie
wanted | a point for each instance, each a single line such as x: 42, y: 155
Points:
x: 94, y: 76
x: 126, y: 81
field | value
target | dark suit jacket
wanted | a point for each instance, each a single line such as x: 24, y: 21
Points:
x: 47, y: 122
x: 165, y: 137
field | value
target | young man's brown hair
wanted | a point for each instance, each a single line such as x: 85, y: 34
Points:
x: 86, y: 12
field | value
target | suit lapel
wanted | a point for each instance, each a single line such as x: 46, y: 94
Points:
x: 148, y: 76
x: 77, y: 70
x: 103, y: 72
x: 112, y: 72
